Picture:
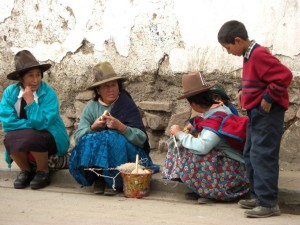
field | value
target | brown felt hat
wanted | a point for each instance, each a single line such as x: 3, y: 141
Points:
x: 24, y: 60
x: 103, y: 73
x: 193, y: 83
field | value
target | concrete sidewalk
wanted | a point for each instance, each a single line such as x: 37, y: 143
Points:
x: 289, y: 183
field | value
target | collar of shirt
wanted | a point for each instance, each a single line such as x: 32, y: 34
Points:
x: 21, y: 94
x: 102, y: 103
x: 221, y: 108
x: 249, y: 50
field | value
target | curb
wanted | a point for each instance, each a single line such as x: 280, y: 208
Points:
x: 289, y: 199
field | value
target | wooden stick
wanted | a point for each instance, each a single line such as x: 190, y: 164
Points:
x: 136, y: 162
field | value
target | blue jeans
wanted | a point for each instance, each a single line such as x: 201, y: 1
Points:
x: 261, y: 152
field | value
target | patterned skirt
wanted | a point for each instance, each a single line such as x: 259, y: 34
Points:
x: 212, y: 176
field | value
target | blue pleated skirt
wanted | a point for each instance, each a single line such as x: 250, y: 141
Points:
x: 106, y: 150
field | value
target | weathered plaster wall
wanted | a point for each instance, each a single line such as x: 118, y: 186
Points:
x: 146, y: 30
x: 152, y: 42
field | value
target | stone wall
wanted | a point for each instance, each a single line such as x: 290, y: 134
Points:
x: 160, y: 109
x: 152, y: 43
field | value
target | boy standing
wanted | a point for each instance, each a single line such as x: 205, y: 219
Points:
x: 264, y: 95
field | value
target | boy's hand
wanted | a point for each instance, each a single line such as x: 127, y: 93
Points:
x: 239, y: 99
x: 266, y: 106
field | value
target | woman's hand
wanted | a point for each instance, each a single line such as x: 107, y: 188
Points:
x: 28, y: 95
x: 98, y: 124
x: 174, y: 129
x: 188, y: 128
x: 113, y: 123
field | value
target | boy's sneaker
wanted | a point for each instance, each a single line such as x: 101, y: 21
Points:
x: 247, y: 203
x: 262, y: 212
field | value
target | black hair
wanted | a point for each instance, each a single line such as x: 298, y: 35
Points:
x: 230, y: 30
x: 121, y: 88
x: 224, y: 100
x: 205, y: 99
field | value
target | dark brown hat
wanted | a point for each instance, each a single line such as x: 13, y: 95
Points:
x: 193, y: 83
x: 103, y: 73
x: 24, y: 60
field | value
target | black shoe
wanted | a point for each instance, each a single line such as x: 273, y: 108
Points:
x: 41, y: 180
x: 109, y: 191
x: 99, y: 186
x: 23, y: 179
x: 205, y: 201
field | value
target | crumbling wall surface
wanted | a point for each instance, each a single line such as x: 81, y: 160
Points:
x: 152, y: 43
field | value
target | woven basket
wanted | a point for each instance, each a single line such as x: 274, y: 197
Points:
x: 136, y: 185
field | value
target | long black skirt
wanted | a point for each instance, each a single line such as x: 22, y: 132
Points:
x: 30, y: 140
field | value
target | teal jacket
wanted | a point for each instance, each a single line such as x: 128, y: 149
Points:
x: 43, y: 115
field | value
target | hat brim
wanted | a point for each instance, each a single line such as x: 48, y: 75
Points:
x: 15, y: 75
x: 105, y: 81
x: 192, y: 93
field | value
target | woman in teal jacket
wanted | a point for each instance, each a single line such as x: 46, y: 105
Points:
x: 31, y: 121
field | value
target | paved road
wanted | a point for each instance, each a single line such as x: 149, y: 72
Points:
x: 64, y: 202
x: 54, y: 205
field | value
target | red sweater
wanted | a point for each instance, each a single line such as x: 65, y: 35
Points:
x: 264, y: 77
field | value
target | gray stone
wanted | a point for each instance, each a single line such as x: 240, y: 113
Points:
x: 72, y: 143
x: 144, y: 121
x: 79, y: 108
x: 290, y: 151
x: 179, y: 119
x: 294, y: 97
x: 289, y: 114
x: 70, y: 113
x: 85, y: 96
x: 298, y: 114
x: 155, y: 122
x: 152, y: 140
x: 69, y: 132
x: 155, y: 106
x: 68, y: 123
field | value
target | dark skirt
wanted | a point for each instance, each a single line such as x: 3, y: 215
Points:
x: 30, y: 140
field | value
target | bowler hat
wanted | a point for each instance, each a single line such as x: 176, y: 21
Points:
x: 103, y: 73
x: 193, y: 83
x: 24, y: 60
